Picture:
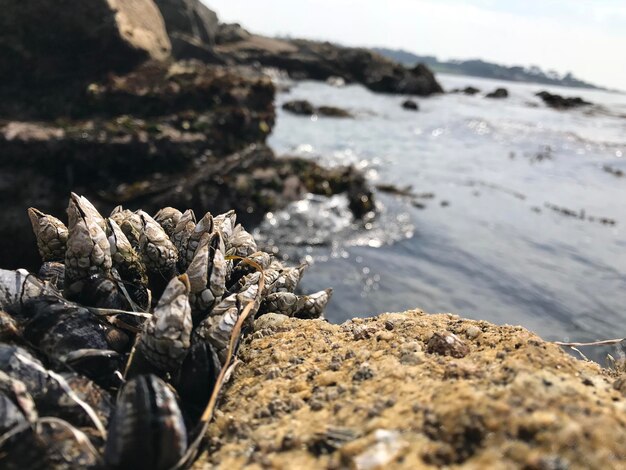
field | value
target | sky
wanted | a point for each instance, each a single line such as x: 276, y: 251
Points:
x: 586, y: 37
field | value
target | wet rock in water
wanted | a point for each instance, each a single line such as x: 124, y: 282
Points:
x: 165, y: 164
x: 560, y: 102
x: 613, y: 171
x: 299, y: 107
x: 501, y: 407
x: 498, y: 93
x: 469, y: 90
x: 410, y: 105
x: 305, y: 108
x: 333, y: 111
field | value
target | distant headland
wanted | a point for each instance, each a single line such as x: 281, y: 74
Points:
x: 480, y: 68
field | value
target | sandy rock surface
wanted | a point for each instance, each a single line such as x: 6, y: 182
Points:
x: 413, y: 390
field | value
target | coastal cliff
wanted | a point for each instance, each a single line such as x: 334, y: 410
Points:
x: 413, y: 390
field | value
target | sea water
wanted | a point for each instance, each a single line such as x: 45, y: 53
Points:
x: 480, y: 234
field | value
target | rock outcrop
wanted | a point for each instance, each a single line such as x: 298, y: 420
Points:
x: 186, y: 135
x: 322, y: 60
x: 44, y: 42
x: 191, y: 18
x: 413, y: 390
x: 195, y: 33
x: 192, y: 28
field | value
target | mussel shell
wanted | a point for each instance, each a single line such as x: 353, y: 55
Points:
x: 58, y: 403
x: 10, y: 414
x: 19, y: 364
x: 23, y: 449
x: 147, y: 430
x: 54, y: 273
x: 196, y: 379
x: 9, y: 329
x: 60, y: 328
x: 98, y: 290
x: 17, y: 392
x: 50, y: 444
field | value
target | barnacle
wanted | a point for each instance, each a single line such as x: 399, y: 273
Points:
x: 89, y: 310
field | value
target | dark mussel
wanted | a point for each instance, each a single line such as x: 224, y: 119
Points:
x: 70, y: 394
x: 10, y: 415
x: 45, y: 444
x: 71, y: 335
x: 54, y: 273
x: 18, y: 364
x: 147, y: 430
x: 196, y: 379
x: 37, y: 391
x: 9, y: 329
x: 98, y: 290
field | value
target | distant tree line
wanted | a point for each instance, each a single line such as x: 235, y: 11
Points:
x: 480, y: 68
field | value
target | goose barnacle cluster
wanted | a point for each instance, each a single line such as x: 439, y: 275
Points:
x: 113, y: 354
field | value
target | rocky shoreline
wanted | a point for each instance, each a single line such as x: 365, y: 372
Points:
x: 180, y: 117
x: 154, y: 126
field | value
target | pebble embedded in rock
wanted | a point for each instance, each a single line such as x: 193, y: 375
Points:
x: 363, y: 373
x: 269, y: 321
x: 447, y: 344
x: 411, y: 358
x: 472, y: 332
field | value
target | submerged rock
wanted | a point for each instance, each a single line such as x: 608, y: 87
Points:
x: 365, y: 395
x: 410, y: 105
x: 333, y: 111
x: 469, y: 90
x: 498, y: 93
x: 300, y: 107
x: 305, y: 108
